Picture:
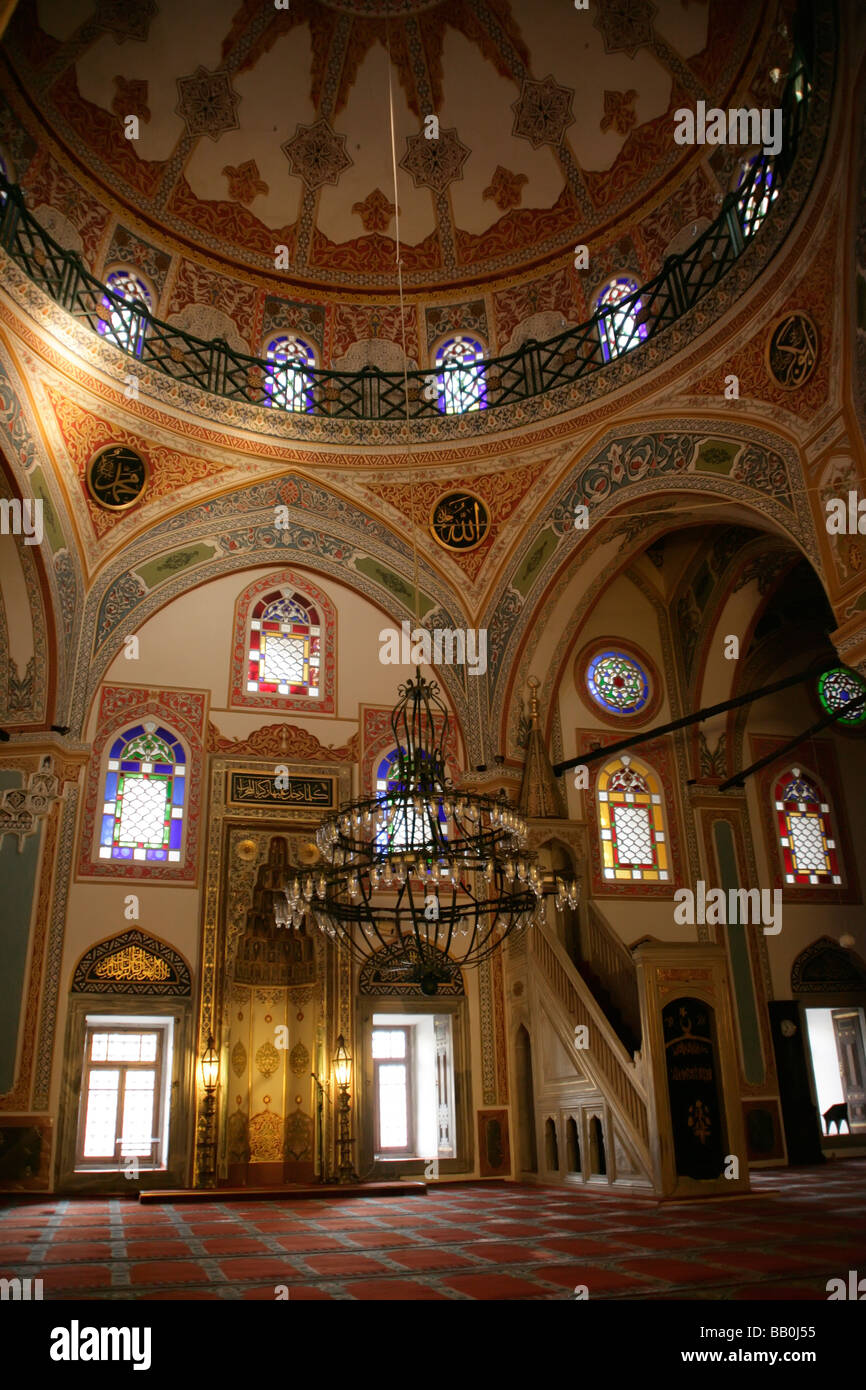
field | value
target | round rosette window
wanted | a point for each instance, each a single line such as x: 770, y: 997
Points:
x: 841, y: 690
x: 617, y: 682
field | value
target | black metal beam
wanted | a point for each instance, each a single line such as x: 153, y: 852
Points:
x: 814, y: 669
x: 739, y: 777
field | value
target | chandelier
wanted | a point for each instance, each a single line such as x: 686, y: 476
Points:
x: 426, y: 874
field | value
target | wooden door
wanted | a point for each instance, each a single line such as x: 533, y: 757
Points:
x: 848, y: 1029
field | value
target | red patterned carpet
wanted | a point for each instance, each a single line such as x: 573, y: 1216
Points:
x: 503, y: 1241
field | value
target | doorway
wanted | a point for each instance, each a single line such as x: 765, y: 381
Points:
x: 413, y: 1087
x: 123, y: 1120
x: 837, y: 1050
x: 412, y: 1112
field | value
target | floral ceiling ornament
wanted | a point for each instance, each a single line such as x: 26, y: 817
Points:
x: 375, y: 212
x: 130, y: 98
x: 435, y: 163
x: 505, y: 188
x: 316, y: 154
x: 244, y: 182
x: 625, y: 25
x: 619, y: 111
x: 125, y: 20
x: 542, y: 112
x: 207, y: 103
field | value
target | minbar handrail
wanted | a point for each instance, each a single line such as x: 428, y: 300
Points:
x: 533, y: 369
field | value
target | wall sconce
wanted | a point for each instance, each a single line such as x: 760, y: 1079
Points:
x: 210, y: 1066
x: 210, y: 1072
x: 343, y: 1075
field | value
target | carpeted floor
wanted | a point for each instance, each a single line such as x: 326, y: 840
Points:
x: 797, y: 1230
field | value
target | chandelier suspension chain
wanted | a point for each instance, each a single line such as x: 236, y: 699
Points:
x: 399, y: 262
x: 421, y: 833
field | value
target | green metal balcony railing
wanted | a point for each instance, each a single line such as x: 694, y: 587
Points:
x: 371, y: 394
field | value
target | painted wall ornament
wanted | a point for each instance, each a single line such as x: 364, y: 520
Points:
x: 22, y: 808
x: 116, y: 478
x: 133, y: 962
x: 459, y: 521
x: 792, y: 350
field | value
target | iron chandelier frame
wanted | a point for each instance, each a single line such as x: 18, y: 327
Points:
x: 422, y: 870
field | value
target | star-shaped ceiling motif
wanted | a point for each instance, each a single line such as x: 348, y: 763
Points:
x: 207, y: 103
x: 542, y: 112
x: 125, y: 20
x: 435, y: 163
x: 316, y: 154
x: 625, y: 25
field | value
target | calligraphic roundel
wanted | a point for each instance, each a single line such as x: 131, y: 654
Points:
x: 116, y: 477
x: 459, y: 521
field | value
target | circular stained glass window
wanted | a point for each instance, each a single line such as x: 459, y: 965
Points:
x: 839, y: 688
x: 617, y: 682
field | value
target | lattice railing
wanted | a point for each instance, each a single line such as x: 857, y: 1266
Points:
x: 371, y: 394
x: 612, y: 962
x: 616, y: 1072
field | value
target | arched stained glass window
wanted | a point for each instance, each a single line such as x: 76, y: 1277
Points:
x: 289, y: 383
x: 617, y: 682
x: 631, y: 822
x: 125, y: 322
x: 804, y: 829
x: 757, y: 199
x: 285, y: 645
x: 618, y: 313
x: 143, y: 802
x: 461, y: 381
x: 398, y: 834
x: 840, y: 688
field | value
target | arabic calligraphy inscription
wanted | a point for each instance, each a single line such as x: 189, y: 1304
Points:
x: 792, y: 350
x: 116, y: 477
x: 459, y: 521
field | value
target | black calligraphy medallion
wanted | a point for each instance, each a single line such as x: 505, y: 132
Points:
x: 116, y: 478
x: 792, y: 350
x: 459, y: 521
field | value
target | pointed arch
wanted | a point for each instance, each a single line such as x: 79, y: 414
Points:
x: 284, y: 646
x: 804, y: 826
x: 132, y: 962
x: 631, y: 822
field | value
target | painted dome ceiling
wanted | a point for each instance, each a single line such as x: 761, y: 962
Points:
x: 260, y: 127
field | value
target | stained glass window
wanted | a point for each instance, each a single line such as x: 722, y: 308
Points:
x: 143, y: 802
x: 839, y: 688
x: 756, y: 199
x: 617, y: 682
x: 289, y: 383
x: 461, y: 381
x: 285, y: 646
x: 126, y: 310
x: 398, y: 833
x: 618, y: 312
x: 804, y: 829
x: 631, y: 822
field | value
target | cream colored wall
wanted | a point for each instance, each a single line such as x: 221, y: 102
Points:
x: 623, y: 612
x: 784, y: 715
x: 187, y: 644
